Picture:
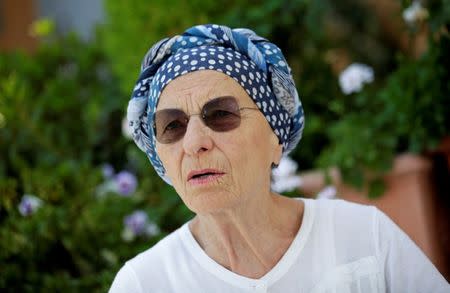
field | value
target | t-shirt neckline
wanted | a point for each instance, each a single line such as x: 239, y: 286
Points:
x: 278, y: 271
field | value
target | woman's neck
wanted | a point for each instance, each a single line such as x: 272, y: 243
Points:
x: 250, y: 239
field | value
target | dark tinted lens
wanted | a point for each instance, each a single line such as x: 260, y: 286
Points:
x: 170, y: 125
x: 222, y: 114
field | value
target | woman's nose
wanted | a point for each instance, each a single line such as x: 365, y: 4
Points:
x: 197, y: 138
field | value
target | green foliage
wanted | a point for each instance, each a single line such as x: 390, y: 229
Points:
x: 61, y: 111
x: 134, y: 25
x: 409, y: 113
x: 62, y: 114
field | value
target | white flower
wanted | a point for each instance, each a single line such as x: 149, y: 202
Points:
x: 128, y: 235
x: 415, y: 13
x: 354, y: 77
x: 286, y: 167
x: 109, y: 186
x: 288, y: 183
x: 329, y: 192
x: 284, y: 177
x: 127, y: 131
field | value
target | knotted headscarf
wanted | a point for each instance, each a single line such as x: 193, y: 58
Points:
x: 252, y: 61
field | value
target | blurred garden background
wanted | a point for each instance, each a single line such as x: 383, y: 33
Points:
x: 78, y: 198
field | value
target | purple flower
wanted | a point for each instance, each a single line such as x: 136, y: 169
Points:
x: 126, y: 183
x: 107, y: 170
x: 29, y: 205
x: 136, y: 222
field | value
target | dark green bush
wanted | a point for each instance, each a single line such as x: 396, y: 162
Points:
x: 61, y: 121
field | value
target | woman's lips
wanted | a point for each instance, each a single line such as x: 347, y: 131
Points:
x: 205, y: 176
x: 205, y: 179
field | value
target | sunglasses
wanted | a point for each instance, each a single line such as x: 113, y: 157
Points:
x: 220, y: 114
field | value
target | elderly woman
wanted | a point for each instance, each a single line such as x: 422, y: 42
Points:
x: 215, y: 109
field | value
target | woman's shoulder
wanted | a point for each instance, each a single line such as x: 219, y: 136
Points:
x: 340, y: 207
x: 166, y: 249
x: 342, y: 210
x: 152, y: 266
x: 345, y: 220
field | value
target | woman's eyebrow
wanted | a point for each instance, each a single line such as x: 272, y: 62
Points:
x: 180, y: 107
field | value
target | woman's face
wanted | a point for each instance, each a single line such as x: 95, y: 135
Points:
x: 241, y: 157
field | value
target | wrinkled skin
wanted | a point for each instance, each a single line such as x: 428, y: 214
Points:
x: 244, y: 154
x: 239, y: 222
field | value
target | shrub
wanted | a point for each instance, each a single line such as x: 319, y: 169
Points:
x: 61, y: 116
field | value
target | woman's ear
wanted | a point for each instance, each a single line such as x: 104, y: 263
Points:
x: 277, y: 149
x: 277, y: 153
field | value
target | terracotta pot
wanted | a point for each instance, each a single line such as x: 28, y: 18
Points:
x: 409, y: 200
x: 16, y: 18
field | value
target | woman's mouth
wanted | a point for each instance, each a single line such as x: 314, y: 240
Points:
x: 205, y: 176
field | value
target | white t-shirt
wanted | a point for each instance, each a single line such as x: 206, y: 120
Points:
x: 340, y: 247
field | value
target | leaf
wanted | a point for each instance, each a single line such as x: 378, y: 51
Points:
x: 376, y: 188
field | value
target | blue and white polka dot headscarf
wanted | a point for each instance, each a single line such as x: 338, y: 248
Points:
x: 252, y: 61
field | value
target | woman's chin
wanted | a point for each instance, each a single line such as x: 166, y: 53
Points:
x: 205, y: 202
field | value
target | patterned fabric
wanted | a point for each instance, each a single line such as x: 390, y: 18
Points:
x: 256, y: 64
